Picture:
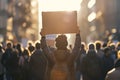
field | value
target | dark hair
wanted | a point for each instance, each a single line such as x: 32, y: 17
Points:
x: 61, y: 42
x: 37, y: 45
x: 98, y: 45
x: 9, y: 44
x: 91, y: 46
x: 26, y: 52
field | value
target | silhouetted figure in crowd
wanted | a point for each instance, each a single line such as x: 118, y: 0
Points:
x: 113, y: 51
x: 63, y: 67
x: 25, y: 66
x: 38, y: 64
x: 10, y: 62
x: 82, y: 53
x: 6, y: 60
x: 1, y: 66
x: 30, y: 47
x: 19, y: 48
x: 114, y: 74
x: 108, y: 62
x: 99, y: 50
x: 91, y: 66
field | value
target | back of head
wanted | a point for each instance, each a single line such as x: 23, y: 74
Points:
x: 9, y: 45
x: 112, y: 46
x: 37, y: 45
x: 18, y: 46
x: 61, y: 42
x: 98, y: 45
x: 91, y: 46
x: 25, y: 52
x: 83, y: 45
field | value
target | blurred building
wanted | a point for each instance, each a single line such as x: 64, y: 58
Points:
x: 97, y: 16
x: 18, y: 20
x: 5, y: 19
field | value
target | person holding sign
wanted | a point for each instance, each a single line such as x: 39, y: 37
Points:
x: 62, y: 59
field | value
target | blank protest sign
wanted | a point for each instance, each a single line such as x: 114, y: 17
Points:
x: 59, y: 22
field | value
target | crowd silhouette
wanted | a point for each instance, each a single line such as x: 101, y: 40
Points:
x: 93, y: 61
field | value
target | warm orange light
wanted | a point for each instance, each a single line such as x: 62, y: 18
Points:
x: 118, y: 55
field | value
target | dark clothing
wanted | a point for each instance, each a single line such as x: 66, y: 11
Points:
x: 25, y: 70
x: 10, y: 62
x: 114, y: 74
x: 38, y: 65
x: 1, y: 67
x: 91, y: 67
x: 108, y: 64
x: 78, y: 63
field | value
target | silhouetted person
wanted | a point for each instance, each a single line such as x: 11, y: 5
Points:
x: 79, y: 59
x: 91, y: 66
x: 10, y: 62
x: 6, y: 60
x: 38, y: 64
x: 113, y: 51
x: 30, y: 47
x: 19, y: 48
x: 108, y: 62
x: 25, y: 66
x: 100, y: 52
x: 63, y: 67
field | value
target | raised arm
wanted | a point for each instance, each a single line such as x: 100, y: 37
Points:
x: 77, y: 45
x: 46, y: 49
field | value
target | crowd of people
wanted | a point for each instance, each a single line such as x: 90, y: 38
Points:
x: 94, y: 61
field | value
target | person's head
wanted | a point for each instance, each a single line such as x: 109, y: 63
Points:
x: 98, y: 45
x: 61, y: 42
x: 112, y: 46
x: 37, y: 45
x: 107, y: 51
x: 91, y: 46
x: 25, y: 52
x: 9, y: 45
x: 18, y: 46
x: 117, y: 63
x: 83, y: 46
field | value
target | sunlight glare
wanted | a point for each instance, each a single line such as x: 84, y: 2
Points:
x: 60, y: 5
x: 92, y: 16
x: 91, y: 3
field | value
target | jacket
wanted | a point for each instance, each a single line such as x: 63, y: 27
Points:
x: 63, y: 67
x: 114, y: 74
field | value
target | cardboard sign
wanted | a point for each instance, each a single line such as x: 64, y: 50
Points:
x: 59, y: 22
